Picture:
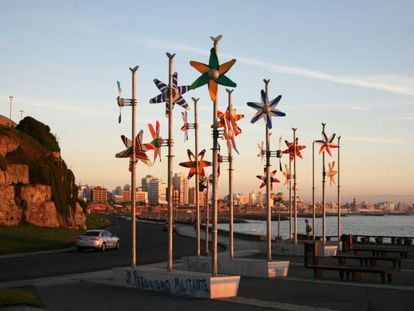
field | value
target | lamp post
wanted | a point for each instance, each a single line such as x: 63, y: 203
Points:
x: 21, y: 115
x: 295, y: 203
x: 11, y: 102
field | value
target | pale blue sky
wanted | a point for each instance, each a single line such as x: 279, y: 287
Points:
x: 346, y: 63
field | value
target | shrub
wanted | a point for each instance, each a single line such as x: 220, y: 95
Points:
x: 40, y: 132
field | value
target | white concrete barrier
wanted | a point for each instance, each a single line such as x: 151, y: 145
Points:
x: 239, y: 266
x: 185, y: 283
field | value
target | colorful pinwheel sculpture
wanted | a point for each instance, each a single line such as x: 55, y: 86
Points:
x: 157, y: 141
x: 233, y: 117
x: 227, y: 123
x: 332, y: 172
x: 192, y: 164
x: 140, y: 150
x: 291, y: 149
x: 272, y: 179
x: 326, y: 143
x: 213, y: 74
x: 184, y: 128
x: 287, y: 174
x: 261, y: 152
x: 177, y: 92
x: 266, y: 109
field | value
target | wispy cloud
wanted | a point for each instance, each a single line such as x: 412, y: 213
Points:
x: 396, y: 84
x: 62, y: 106
x: 376, y: 140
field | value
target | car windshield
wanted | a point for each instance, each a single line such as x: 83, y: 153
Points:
x: 91, y: 233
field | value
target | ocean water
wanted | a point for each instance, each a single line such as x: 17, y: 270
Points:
x: 401, y: 225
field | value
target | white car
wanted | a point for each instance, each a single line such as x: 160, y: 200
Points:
x: 97, y: 239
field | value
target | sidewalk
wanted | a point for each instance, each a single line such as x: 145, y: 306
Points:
x: 299, y: 291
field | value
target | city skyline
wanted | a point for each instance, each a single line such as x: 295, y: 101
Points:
x: 347, y: 64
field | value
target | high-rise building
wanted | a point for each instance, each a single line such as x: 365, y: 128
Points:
x: 99, y: 195
x: 180, y: 182
x: 157, y: 190
x: 202, y: 197
x: 145, y: 181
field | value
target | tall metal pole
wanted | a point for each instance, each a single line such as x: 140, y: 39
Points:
x: 313, y: 191
x: 11, y: 101
x: 21, y: 115
x: 339, y: 191
x: 323, y: 193
x: 170, y: 162
x: 133, y: 170
x: 295, y: 203
x: 215, y: 178
x: 267, y: 168
x: 290, y: 201
x: 197, y: 177
x: 231, y: 214
x: 207, y: 219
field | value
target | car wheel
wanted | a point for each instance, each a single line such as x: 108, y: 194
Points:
x: 103, y: 247
x: 117, y: 245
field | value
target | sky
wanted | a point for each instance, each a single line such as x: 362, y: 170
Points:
x: 348, y: 64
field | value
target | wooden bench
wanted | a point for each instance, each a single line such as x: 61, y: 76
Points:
x: 355, y: 271
x: 368, y: 260
x: 381, y: 251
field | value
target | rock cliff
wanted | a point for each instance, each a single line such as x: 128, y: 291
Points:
x: 36, y: 187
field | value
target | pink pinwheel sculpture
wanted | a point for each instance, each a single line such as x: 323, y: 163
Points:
x: 157, y: 141
x: 287, y: 175
x: 177, y: 91
x: 192, y: 164
x: 326, y: 143
x: 291, y: 149
x: 233, y: 117
x: 140, y: 150
x: 184, y: 128
x: 331, y: 172
x: 213, y: 74
x: 266, y: 109
x: 230, y: 127
x: 272, y: 179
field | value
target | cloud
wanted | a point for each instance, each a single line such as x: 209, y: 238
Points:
x: 392, y: 83
x: 381, y: 141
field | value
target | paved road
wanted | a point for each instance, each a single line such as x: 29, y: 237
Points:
x: 298, y: 292
x: 151, y: 247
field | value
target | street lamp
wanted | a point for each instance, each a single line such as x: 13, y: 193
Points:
x: 11, y: 101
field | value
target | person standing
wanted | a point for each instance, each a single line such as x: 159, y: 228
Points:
x: 308, y: 229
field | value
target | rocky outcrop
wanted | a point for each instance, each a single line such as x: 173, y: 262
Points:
x: 36, y: 187
x: 10, y: 213
x: 39, y: 207
x: 7, y: 122
x: 7, y: 144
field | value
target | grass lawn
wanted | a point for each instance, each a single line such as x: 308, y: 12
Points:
x: 29, y: 238
x: 19, y: 296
